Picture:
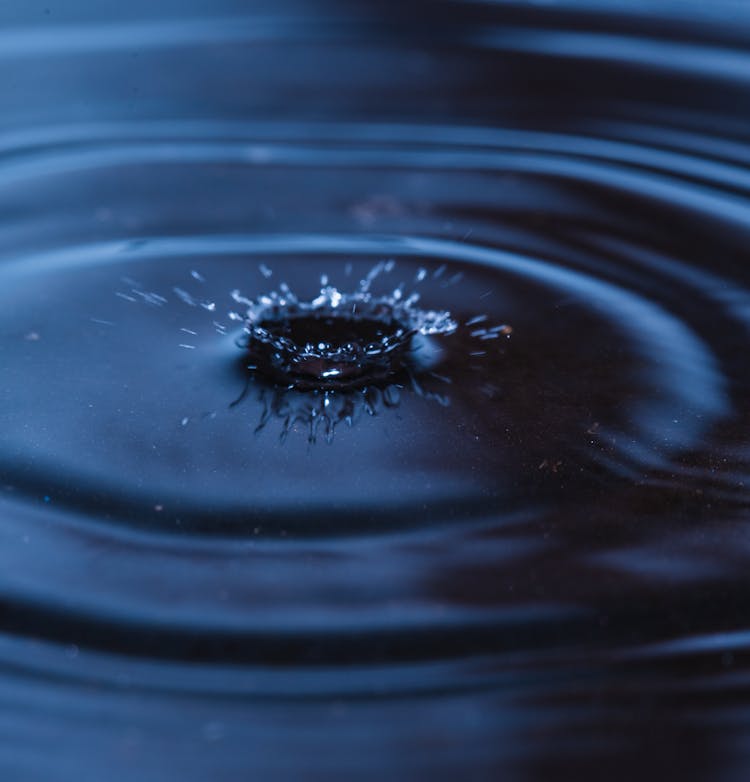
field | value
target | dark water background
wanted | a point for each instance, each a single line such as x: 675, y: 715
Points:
x: 546, y: 577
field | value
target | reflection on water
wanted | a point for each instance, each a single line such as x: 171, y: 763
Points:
x: 545, y: 572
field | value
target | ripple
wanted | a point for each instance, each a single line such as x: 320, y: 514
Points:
x: 547, y: 518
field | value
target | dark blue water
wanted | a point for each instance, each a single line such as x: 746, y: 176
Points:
x: 525, y: 556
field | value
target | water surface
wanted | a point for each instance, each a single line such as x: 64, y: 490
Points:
x: 532, y: 564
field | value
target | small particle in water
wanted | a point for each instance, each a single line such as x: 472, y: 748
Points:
x: 32, y: 336
x: 184, y: 421
x: 184, y: 296
x: 188, y: 347
x: 197, y: 276
x: 47, y: 498
x: 192, y: 301
x: 265, y: 271
x: 189, y: 331
x: 125, y: 296
x: 149, y: 297
x: 504, y: 329
x: 551, y: 465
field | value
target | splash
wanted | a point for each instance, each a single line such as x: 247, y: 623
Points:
x: 314, y: 364
x: 338, y: 356
x: 338, y: 341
